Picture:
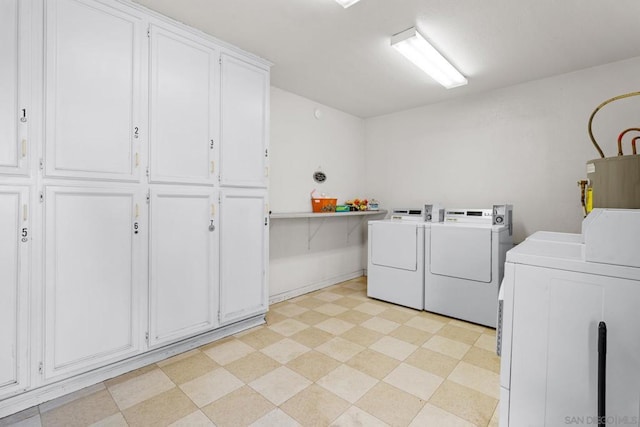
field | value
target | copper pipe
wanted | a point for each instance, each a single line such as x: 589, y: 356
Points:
x: 623, y: 133
x: 615, y: 98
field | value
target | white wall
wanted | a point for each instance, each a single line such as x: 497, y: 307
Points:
x: 307, y: 254
x: 525, y: 145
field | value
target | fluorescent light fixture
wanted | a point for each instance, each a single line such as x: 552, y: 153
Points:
x: 347, y: 3
x: 416, y: 49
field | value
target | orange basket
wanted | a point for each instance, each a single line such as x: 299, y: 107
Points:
x: 323, y: 205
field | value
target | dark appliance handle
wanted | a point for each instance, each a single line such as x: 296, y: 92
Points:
x: 602, y: 373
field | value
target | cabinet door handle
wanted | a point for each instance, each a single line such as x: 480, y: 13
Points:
x: 602, y: 373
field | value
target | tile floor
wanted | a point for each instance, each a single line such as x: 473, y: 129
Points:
x: 329, y: 358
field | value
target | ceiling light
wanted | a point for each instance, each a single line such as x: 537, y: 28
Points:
x: 347, y: 3
x: 413, y: 46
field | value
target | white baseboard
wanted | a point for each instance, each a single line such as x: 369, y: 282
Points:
x: 314, y: 287
x: 48, y: 392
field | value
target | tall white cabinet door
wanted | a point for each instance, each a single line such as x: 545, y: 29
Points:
x: 92, y: 265
x: 244, y: 123
x: 14, y: 243
x: 183, y: 254
x: 14, y: 74
x: 92, y: 90
x: 184, y: 76
x: 243, y: 254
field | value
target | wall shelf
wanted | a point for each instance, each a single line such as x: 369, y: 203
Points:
x: 313, y: 230
x: 292, y: 215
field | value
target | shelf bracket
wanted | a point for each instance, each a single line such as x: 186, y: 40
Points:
x: 311, y: 235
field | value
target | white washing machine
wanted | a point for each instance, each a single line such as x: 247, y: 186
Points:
x: 395, y: 268
x: 464, y: 263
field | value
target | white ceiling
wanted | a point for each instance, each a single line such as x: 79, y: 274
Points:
x: 342, y: 57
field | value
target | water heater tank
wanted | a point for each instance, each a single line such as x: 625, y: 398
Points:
x: 615, y: 182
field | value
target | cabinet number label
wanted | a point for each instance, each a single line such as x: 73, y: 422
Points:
x: 135, y: 228
x: 25, y: 234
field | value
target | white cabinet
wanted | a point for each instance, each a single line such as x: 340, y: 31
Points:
x: 554, y: 346
x: 92, y: 85
x: 14, y: 83
x: 244, y: 123
x: 93, y: 276
x: 183, y: 263
x: 14, y: 273
x: 243, y: 253
x: 184, y: 80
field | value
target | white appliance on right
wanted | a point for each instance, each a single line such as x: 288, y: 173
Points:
x: 570, y: 332
x: 464, y: 262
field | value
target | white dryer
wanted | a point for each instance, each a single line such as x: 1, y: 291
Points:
x: 464, y: 263
x: 395, y: 268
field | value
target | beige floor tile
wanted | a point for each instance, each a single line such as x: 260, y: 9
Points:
x: 483, y: 358
x: 340, y: 289
x: 466, y: 403
x: 274, y: 317
x: 252, y: 366
x: 335, y: 326
x: 347, y: 383
x: 315, y: 406
x: 312, y: 337
x: 356, y: 417
x: 432, y: 361
x: 288, y: 327
x: 378, y: 324
x: 394, y: 347
x: 311, y: 317
x: 425, y: 324
x: 327, y: 296
x: 459, y: 334
x: 467, y: 325
x: 363, y: 336
x: 238, y: 408
x: 194, y: 419
x: 487, y: 342
x: 348, y: 302
x: 313, y: 365
x: 160, y: 410
x: 261, y: 338
x: 82, y: 411
x: 340, y: 349
x: 142, y: 387
x: 434, y: 416
x: 276, y: 418
x: 391, y: 405
x: 354, y: 316
x: 211, y: 387
x: 443, y: 345
x: 373, y: 363
x: 187, y: 369
x: 410, y: 335
x: 115, y: 420
x: 495, y: 419
x: 311, y: 302
x: 359, y: 284
x: 396, y: 315
x: 477, y: 378
x: 331, y: 309
x: 290, y: 309
x: 229, y: 351
x: 285, y: 350
x: 413, y: 380
x: 129, y: 375
x: 280, y: 385
x: 434, y: 316
x: 370, y: 308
